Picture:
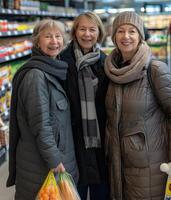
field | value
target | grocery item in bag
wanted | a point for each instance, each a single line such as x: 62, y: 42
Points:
x: 67, y: 187
x: 49, y: 189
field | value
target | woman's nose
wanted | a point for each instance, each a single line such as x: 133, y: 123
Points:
x: 53, y: 39
x: 87, y: 32
x: 126, y: 34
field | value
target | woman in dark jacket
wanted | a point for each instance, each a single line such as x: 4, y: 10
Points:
x: 138, y: 131
x: 40, y: 125
x: 86, y: 89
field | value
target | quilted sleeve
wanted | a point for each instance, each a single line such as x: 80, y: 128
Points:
x: 161, y: 78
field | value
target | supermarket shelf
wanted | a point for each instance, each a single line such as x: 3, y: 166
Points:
x: 15, y: 56
x: 157, y: 29
x: 158, y: 44
x: 35, y: 13
x: 16, y: 33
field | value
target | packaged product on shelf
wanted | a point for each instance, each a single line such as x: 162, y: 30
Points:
x: 3, y: 51
x: 3, y: 25
x: 17, y: 4
x: 3, y: 106
x: 4, y: 136
x: 5, y: 91
x: 8, y: 94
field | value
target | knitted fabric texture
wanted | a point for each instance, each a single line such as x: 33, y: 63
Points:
x: 88, y: 83
x: 128, y: 17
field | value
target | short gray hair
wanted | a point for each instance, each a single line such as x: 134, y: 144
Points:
x: 41, y: 26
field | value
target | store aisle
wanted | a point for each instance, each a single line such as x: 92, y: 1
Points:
x: 5, y: 193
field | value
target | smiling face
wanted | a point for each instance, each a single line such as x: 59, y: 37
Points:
x: 127, y: 39
x: 86, y: 34
x: 51, y: 41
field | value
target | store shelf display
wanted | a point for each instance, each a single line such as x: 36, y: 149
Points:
x: 5, y: 98
x: 15, y: 51
x: 158, y: 28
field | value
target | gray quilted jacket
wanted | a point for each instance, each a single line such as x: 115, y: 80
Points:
x: 40, y: 125
x: 46, y: 138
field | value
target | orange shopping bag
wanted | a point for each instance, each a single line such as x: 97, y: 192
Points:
x: 49, y: 189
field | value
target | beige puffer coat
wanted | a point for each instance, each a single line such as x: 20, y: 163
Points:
x: 138, y: 138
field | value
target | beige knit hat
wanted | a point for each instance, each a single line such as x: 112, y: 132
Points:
x: 128, y: 17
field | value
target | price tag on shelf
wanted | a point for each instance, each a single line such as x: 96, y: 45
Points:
x: 7, y: 58
x: 26, y: 52
x: 15, y: 32
x: 9, y: 11
x: 22, y: 12
x: 13, y: 56
x: 19, y: 55
x: 9, y: 33
x: 15, y: 11
x: 3, y: 11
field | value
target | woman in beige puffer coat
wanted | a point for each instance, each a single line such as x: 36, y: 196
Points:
x: 138, y: 129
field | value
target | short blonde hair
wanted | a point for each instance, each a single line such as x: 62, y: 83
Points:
x: 41, y: 26
x: 94, y: 18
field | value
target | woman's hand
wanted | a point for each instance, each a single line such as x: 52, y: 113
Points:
x: 59, y: 168
x: 1, y: 123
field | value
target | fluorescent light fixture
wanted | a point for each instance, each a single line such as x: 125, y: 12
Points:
x: 125, y: 9
x: 142, y: 9
x: 99, y: 11
x: 167, y: 8
x: 112, y: 10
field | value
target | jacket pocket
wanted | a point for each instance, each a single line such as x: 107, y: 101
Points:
x: 55, y: 127
x: 134, y: 150
x: 62, y: 106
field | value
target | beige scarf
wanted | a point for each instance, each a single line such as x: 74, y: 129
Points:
x: 133, y: 71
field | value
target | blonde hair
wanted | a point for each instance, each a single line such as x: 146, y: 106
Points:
x: 41, y: 26
x: 94, y: 18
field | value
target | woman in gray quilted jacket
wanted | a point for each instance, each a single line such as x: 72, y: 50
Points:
x: 138, y: 129
x: 40, y: 125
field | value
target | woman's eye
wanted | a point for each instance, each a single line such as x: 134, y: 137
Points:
x: 132, y: 32
x: 119, y: 31
x: 82, y: 29
x: 92, y: 30
x: 58, y: 36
